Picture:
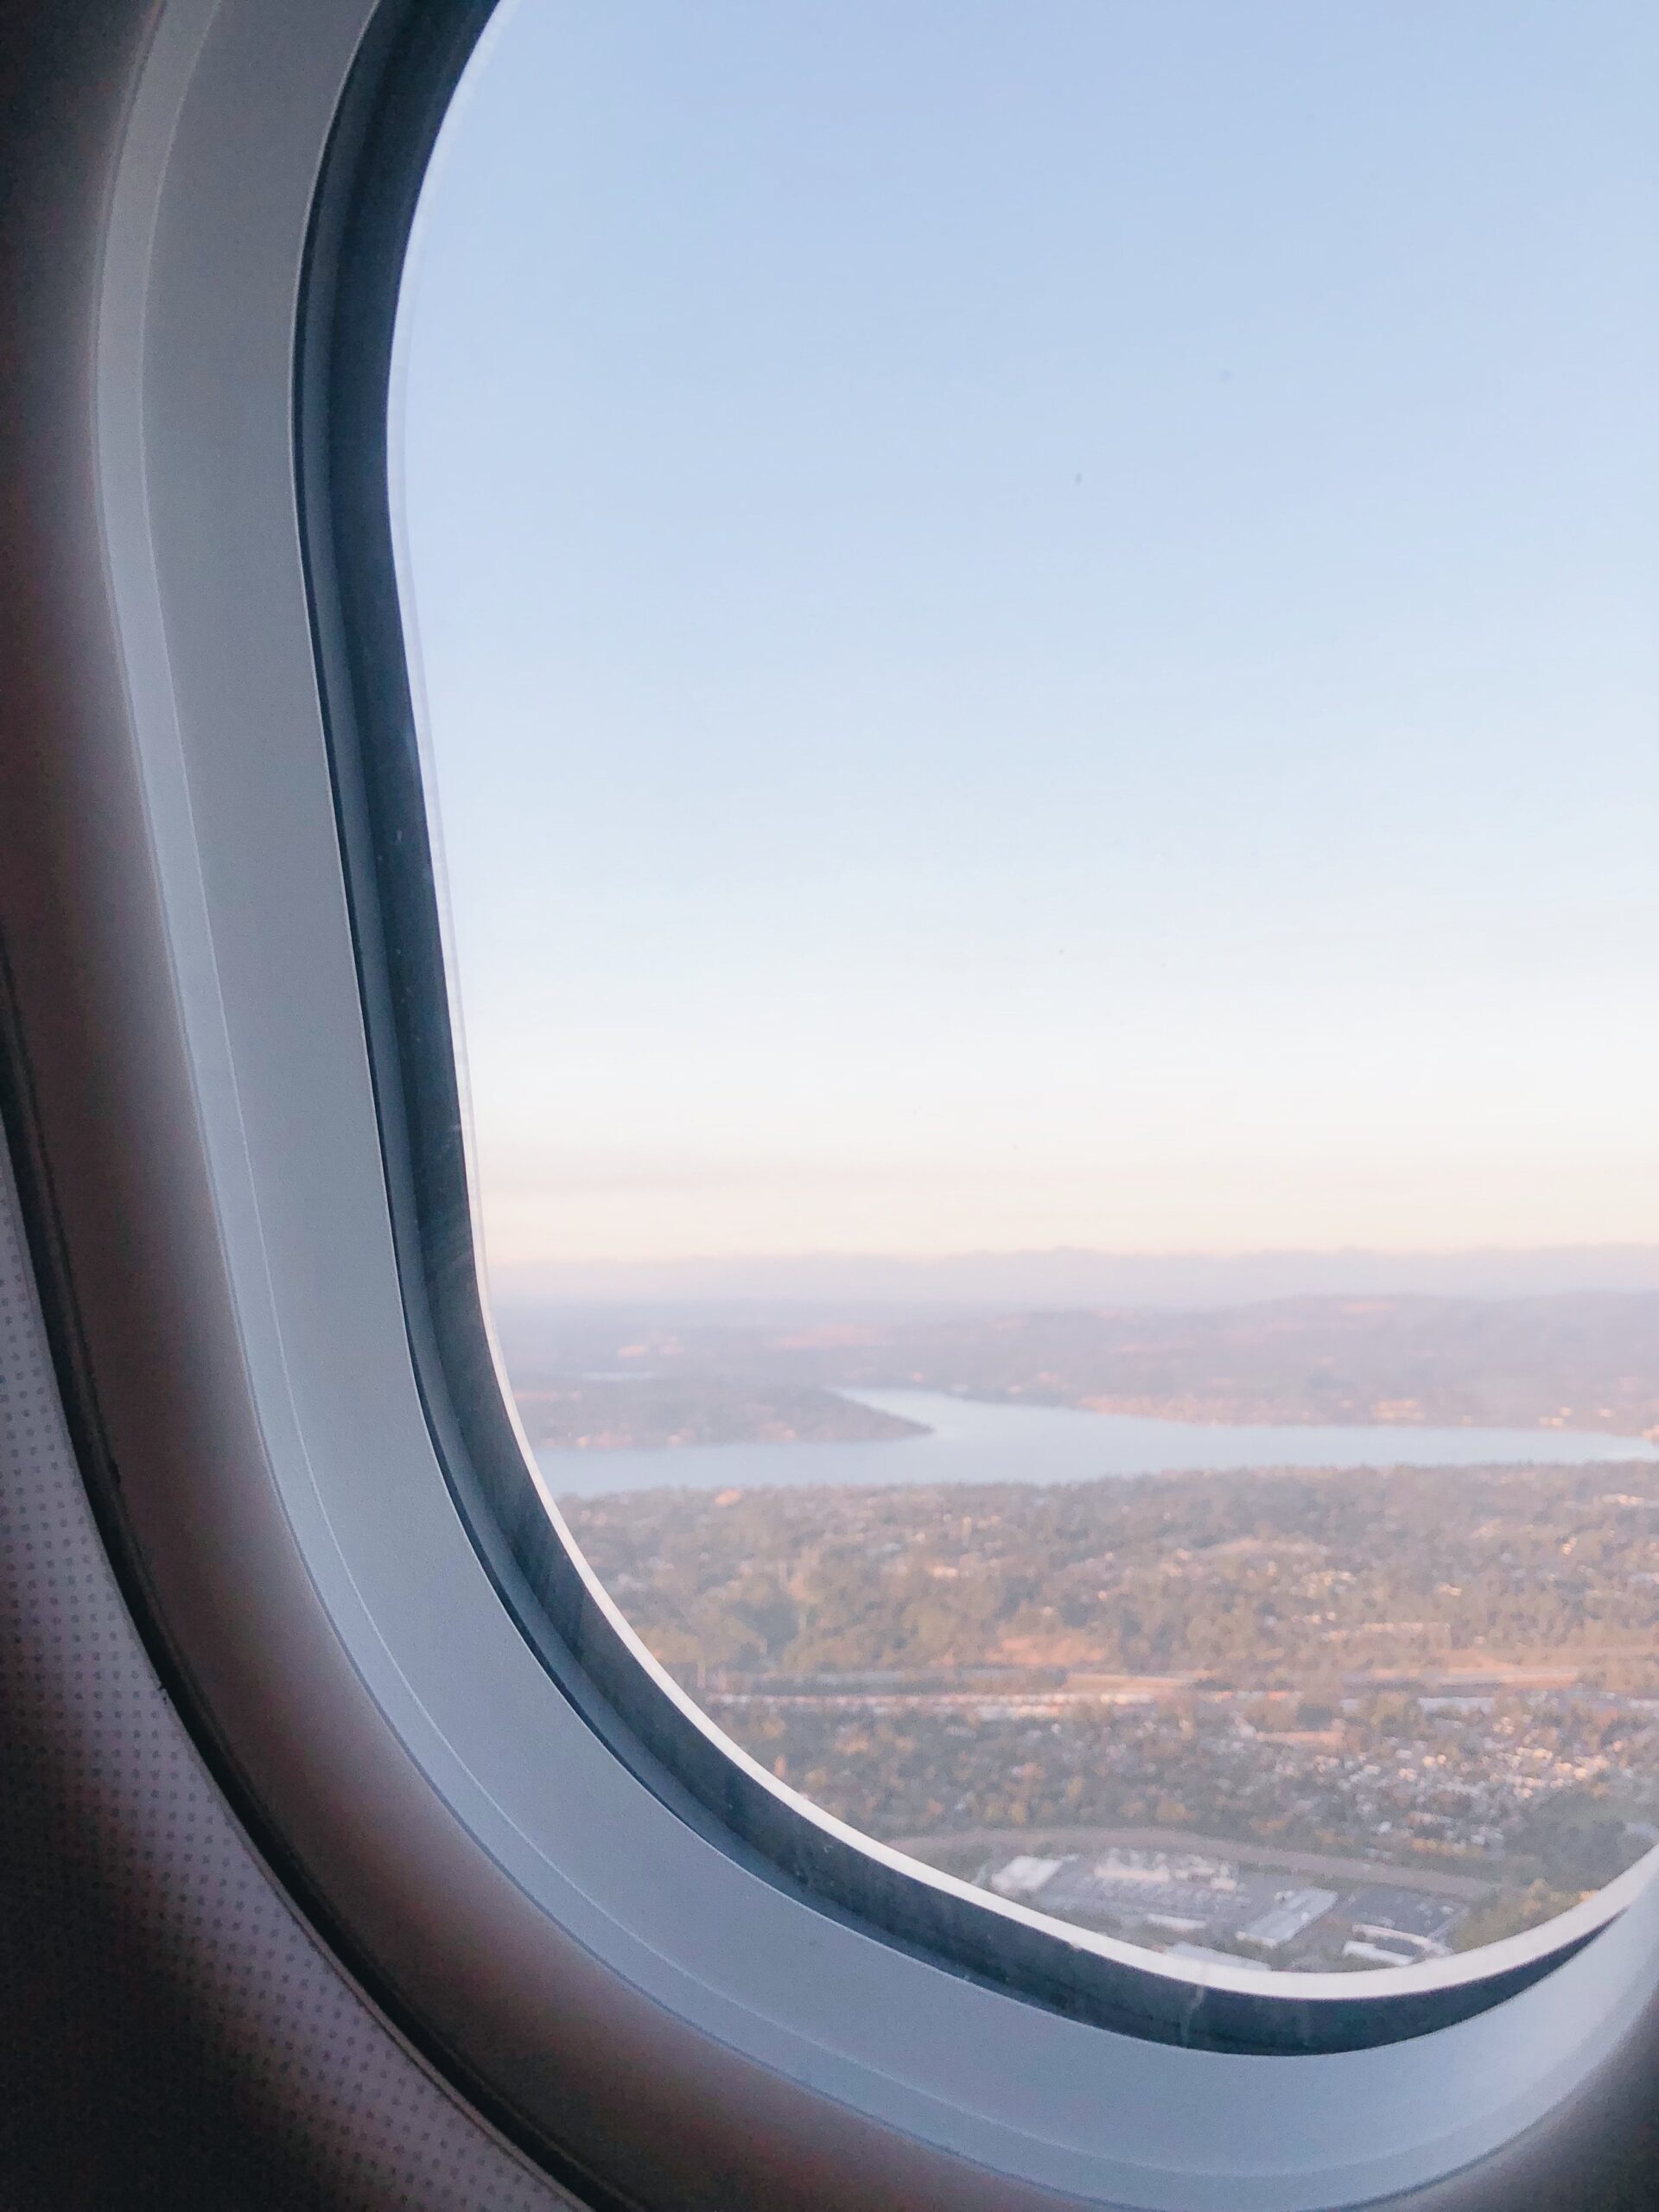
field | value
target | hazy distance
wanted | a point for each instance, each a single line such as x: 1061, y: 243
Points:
x: 1062, y: 1278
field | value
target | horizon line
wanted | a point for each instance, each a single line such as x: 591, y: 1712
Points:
x: 820, y: 1255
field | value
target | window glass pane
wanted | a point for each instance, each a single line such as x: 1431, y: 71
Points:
x: 1039, y: 627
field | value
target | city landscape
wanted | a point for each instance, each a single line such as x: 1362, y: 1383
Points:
x: 1319, y: 1688
x: 1318, y: 1718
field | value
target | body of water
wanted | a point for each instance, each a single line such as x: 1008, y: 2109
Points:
x: 975, y: 1441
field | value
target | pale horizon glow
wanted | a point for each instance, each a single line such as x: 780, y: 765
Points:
x: 639, y: 1209
x: 1039, y: 624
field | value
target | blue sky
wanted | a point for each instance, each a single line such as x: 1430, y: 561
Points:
x: 1038, y: 622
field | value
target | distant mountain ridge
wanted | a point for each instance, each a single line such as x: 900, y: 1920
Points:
x: 1011, y: 1281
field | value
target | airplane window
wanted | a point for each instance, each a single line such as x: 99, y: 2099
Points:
x: 1036, y: 632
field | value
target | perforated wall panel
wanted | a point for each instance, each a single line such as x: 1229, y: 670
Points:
x: 171, y: 2035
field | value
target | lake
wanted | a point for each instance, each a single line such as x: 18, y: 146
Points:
x: 974, y: 1441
